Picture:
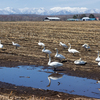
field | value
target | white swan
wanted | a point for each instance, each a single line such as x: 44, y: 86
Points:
x: 72, y: 50
x: 54, y: 76
x: 46, y: 51
x: 98, y: 82
x: 59, y: 56
x: 80, y: 62
x: 1, y: 45
x: 62, y: 44
x: 98, y: 63
x: 41, y: 44
x: 86, y: 46
x: 16, y: 44
x: 98, y: 57
x: 54, y: 64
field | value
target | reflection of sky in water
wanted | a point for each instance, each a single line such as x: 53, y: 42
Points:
x: 36, y: 77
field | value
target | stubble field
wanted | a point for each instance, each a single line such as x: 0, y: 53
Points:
x: 28, y: 34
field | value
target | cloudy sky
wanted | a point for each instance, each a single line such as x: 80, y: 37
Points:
x: 91, y: 4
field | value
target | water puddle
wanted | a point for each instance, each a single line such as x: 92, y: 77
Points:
x: 38, y: 77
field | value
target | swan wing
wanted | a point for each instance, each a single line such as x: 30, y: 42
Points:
x: 60, y: 56
x: 64, y: 45
x: 16, y: 44
x: 98, y: 63
x: 47, y: 51
x: 73, y: 50
x: 97, y: 59
x: 55, y: 64
x: 1, y: 46
x: 41, y: 44
x: 79, y: 62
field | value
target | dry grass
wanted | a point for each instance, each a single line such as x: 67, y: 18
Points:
x: 27, y: 34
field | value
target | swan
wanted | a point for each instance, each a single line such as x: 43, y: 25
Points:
x: 62, y: 44
x: 54, y: 76
x: 16, y: 44
x: 98, y: 57
x: 86, y: 46
x: 80, y: 62
x: 41, y: 44
x: 98, y: 82
x: 98, y: 63
x: 72, y: 50
x: 54, y: 64
x: 46, y: 51
x: 59, y: 56
x: 1, y: 45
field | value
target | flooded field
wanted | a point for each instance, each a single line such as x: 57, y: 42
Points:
x: 27, y: 35
x: 38, y: 77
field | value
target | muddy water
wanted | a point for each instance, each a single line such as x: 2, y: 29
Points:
x: 38, y: 77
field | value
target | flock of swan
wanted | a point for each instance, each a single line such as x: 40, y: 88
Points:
x: 61, y: 57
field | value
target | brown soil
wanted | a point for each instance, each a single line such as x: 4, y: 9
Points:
x: 28, y: 34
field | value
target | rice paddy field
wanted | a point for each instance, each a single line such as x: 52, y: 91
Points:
x: 51, y: 33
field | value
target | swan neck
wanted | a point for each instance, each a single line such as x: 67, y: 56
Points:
x: 69, y: 46
x: 49, y: 59
x: 44, y: 48
x: 56, y: 51
x: 49, y: 81
x: 98, y: 53
x: 12, y: 42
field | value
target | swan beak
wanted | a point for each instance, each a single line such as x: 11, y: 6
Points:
x: 43, y: 46
x: 69, y: 43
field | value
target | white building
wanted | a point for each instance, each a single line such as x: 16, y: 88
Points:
x: 85, y: 19
x: 52, y: 19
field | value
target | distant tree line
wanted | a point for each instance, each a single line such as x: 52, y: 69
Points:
x: 21, y: 17
x: 83, y: 15
x: 34, y: 17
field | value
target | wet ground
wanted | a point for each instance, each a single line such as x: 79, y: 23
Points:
x: 47, y: 79
x: 28, y: 34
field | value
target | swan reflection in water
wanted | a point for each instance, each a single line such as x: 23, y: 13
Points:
x: 54, y: 76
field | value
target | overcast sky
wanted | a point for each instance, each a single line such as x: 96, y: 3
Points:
x: 91, y: 4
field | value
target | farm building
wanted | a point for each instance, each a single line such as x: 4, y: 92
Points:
x: 91, y: 19
x: 85, y: 19
x: 52, y: 19
x: 72, y: 19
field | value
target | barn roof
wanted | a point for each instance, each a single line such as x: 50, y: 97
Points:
x: 85, y: 18
x: 53, y: 18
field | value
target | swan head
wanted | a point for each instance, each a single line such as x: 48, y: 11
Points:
x: 69, y: 43
x: 12, y: 42
x: 55, y: 48
x: 60, y: 43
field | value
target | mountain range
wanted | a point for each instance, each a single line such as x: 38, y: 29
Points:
x: 51, y: 11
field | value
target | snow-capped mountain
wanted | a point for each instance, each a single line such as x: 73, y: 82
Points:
x: 51, y: 11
